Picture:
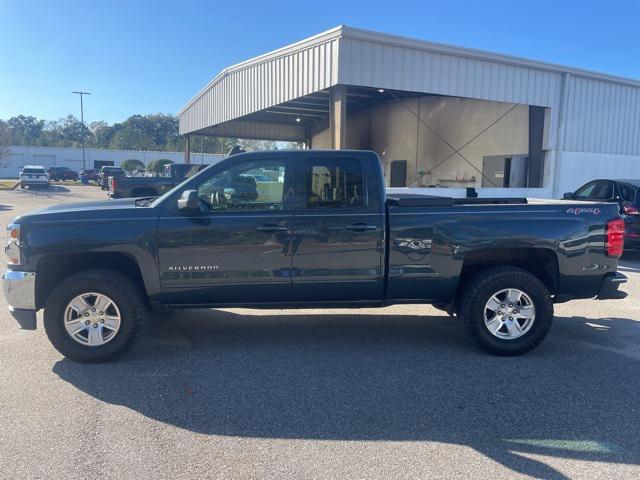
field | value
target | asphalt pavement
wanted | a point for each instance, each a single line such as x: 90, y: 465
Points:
x: 398, y: 392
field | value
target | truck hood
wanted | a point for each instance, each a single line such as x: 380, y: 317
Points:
x: 124, y: 208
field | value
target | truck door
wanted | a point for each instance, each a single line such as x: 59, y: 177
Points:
x: 238, y: 250
x: 339, y: 229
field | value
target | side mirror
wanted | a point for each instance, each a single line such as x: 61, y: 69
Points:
x: 188, y: 201
x: 568, y: 196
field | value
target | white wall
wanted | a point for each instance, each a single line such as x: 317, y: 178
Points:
x: 72, y: 158
x: 482, y: 192
x: 577, y: 168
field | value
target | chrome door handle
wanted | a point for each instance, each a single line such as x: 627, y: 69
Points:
x: 361, y: 227
x: 271, y: 228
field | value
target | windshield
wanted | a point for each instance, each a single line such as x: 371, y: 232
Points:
x: 33, y: 170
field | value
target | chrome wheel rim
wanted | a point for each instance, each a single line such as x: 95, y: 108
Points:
x: 92, y: 319
x: 509, y: 314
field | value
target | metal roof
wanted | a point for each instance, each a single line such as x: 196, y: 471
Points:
x: 262, y: 97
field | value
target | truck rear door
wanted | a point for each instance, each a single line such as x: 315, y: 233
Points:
x: 339, y: 228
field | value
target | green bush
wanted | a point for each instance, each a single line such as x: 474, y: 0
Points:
x: 132, y: 165
x: 157, y: 166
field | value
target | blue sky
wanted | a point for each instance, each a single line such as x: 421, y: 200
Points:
x: 153, y: 56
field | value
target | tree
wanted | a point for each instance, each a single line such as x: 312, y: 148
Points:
x: 157, y: 166
x: 26, y: 130
x: 132, y: 165
x: 154, y: 132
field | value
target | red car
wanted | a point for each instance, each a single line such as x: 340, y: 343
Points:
x: 92, y: 175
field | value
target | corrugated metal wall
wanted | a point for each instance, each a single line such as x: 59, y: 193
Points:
x: 262, y: 84
x: 602, y: 117
x: 367, y: 63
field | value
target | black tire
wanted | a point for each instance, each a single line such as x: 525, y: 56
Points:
x: 125, y: 294
x: 482, y: 286
x: 22, y: 185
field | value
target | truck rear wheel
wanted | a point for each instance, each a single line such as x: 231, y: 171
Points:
x: 506, y: 310
x: 94, y: 315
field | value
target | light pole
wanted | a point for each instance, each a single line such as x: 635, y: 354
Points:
x: 84, y: 163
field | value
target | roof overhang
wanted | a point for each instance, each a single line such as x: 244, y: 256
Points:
x: 279, y: 87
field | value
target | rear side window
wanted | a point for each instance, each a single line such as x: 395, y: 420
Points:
x: 628, y: 193
x: 334, y: 184
x: 603, y: 191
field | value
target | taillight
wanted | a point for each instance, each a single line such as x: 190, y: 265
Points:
x: 615, y: 237
x: 629, y: 209
x: 113, y: 184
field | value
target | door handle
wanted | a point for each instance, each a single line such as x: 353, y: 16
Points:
x: 271, y: 228
x: 361, y: 227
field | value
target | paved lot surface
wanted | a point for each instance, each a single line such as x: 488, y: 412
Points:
x: 389, y: 393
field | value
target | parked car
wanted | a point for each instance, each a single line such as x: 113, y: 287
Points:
x: 106, y: 172
x: 320, y: 232
x: 34, y: 176
x: 142, y: 186
x: 92, y: 174
x: 62, y: 173
x: 626, y: 193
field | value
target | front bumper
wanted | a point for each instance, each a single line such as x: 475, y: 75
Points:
x: 20, y: 292
x: 610, y: 285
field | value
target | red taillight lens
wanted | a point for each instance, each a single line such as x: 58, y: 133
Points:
x: 615, y: 237
x: 630, y: 210
x: 113, y: 184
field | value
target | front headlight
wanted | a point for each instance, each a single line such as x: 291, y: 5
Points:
x: 12, y: 249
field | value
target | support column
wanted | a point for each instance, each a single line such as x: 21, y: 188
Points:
x: 187, y: 149
x: 536, y: 153
x: 338, y: 116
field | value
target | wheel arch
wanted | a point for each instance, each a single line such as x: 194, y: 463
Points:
x: 541, y: 262
x: 53, y: 269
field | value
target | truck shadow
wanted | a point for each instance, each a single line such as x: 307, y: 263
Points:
x: 382, y: 378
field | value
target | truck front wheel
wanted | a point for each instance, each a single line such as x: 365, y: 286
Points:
x: 94, y: 315
x: 506, y: 310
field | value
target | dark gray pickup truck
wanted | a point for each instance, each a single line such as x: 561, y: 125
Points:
x: 306, y: 229
x: 143, y: 186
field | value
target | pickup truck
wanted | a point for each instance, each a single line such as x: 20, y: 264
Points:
x: 106, y: 172
x: 142, y: 186
x: 295, y: 229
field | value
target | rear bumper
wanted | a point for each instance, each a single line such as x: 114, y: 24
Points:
x: 610, y: 287
x: 20, y: 292
x: 33, y: 181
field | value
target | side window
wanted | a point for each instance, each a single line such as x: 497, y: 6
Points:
x: 334, y: 184
x: 586, y: 191
x: 257, y: 186
x: 603, y: 191
x: 627, y: 193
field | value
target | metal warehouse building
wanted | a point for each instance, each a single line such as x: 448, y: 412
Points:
x: 438, y: 115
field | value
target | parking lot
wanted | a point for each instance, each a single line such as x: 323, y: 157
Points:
x: 398, y: 392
